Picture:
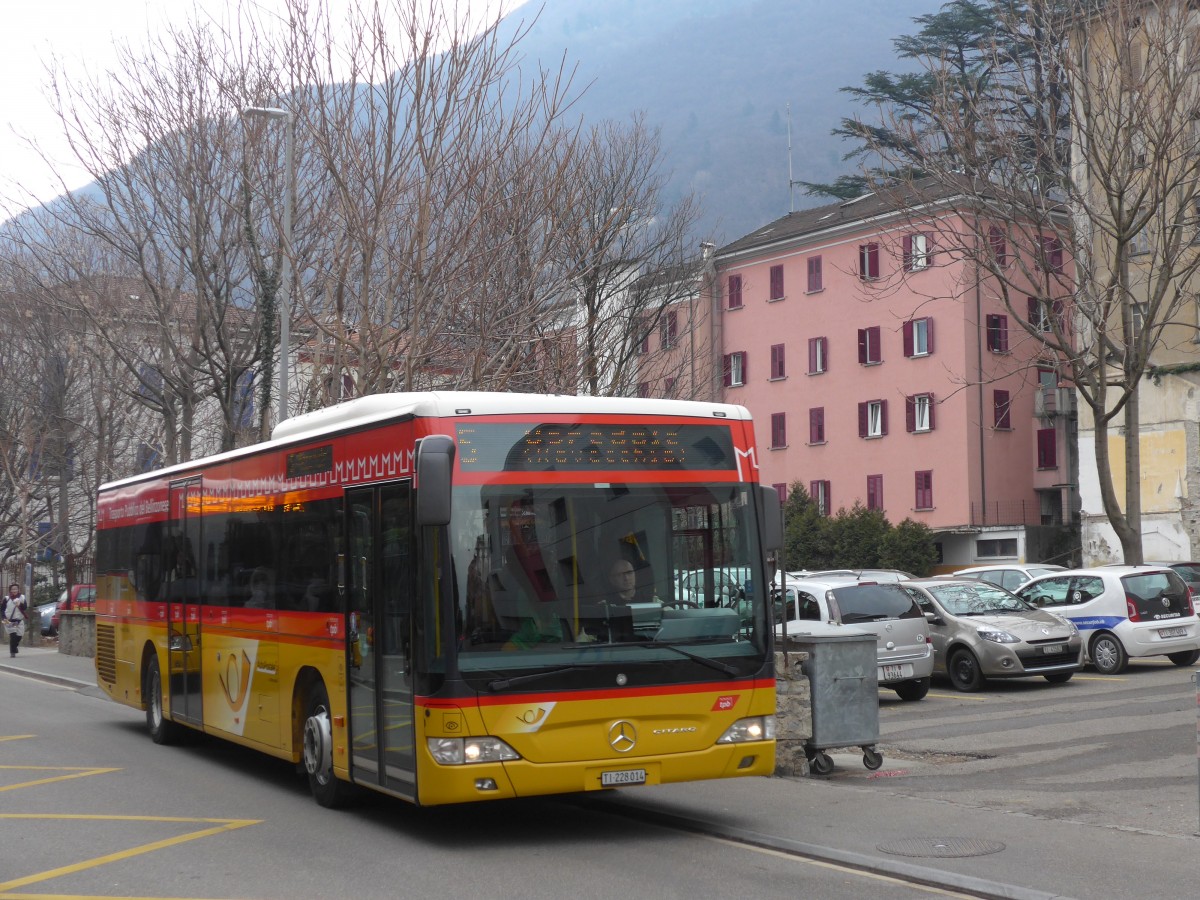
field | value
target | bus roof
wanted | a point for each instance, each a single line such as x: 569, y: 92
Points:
x: 378, y: 408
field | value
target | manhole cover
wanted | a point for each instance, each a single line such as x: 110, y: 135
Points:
x: 941, y: 847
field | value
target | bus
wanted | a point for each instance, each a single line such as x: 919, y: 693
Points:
x: 452, y: 596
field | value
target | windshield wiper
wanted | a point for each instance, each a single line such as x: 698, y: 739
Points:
x: 501, y: 684
x: 703, y: 660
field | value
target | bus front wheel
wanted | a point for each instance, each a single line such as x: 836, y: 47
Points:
x: 162, y: 730
x: 318, y: 751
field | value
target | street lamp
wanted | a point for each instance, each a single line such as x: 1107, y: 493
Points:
x: 285, y: 310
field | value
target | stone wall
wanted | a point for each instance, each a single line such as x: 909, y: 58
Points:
x: 793, y: 713
x: 77, y: 633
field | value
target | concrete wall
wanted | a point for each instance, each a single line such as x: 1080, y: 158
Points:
x: 77, y: 633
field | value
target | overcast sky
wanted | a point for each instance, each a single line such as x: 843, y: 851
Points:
x: 81, y: 34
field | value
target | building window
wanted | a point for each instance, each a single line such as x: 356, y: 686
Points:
x: 778, y: 369
x: 1043, y: 313
x: 778, y: 430
x: 735, y: 291
x: 643, y: 389
x: 1001, y: 408
x: 868, y: 261
x: 872, y: 419
x: 924, y: 492
x: 875, y: 492
x: 643, y: 344
x: 918, y: 337
x: 735, y: 369
x: 918, y: 251
x: 777, y: 282
x: 918, y: 413
x: 818, y: 355
x: 781, y: 490
x: 815, y: 282
x: 669, y: 329
x: 816, y: 425
x: 1047, y: 449
x: 819, y: 492
x: 997, y: 333
x: 1052, y: 253
x: 669, y: 385
x: 986, y: 548
x: 869, y: 351
x: 999, y: 246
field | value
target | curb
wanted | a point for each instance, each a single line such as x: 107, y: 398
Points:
x: 46, y: 676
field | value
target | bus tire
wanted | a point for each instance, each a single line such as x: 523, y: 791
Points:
x: 326, y: 788
x: 162, y: 730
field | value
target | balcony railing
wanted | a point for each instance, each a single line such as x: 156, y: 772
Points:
x: 1051, y: 401
x: 1012, y: 512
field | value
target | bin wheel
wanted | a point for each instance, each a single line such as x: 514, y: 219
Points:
x: 872, y: 758
x: 820, y: 763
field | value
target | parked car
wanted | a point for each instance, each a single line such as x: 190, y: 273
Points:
x: 880, y: 575
x: 904, y: 654
x: 45, y: 613
x: 79, y: 596
x: 982, y: 631
x: 727, y: 586
x: 1009, y: 577
x: 1123, y: 612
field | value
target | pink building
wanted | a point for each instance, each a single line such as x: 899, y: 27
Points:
x: 883, y: 370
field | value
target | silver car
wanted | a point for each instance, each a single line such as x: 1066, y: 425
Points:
x: 981, y: 631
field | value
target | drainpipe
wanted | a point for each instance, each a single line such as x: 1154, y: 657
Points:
x: 979, y: 357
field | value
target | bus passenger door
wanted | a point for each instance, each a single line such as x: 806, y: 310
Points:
x: 181, y: 590
x: 379, y: 582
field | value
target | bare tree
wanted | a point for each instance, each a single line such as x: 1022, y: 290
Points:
x: 1077, y: 171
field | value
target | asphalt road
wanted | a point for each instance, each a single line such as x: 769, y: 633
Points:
x: 1118, y: 751
x: 91, y: 808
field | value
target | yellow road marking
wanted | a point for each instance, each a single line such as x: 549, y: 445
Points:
x: 75, y: 772
x: 221, y: 826
x: 977, y: 699
x: 16, y: 737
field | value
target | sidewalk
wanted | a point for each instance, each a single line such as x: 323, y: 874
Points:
x: 985, y: 852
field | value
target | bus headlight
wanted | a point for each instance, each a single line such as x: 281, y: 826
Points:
x: 757, y: 728
x: 464, y: 751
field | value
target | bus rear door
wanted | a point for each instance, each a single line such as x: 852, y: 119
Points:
x: 181, y: 586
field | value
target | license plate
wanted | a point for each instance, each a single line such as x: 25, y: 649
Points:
x: 1053, y: 648
x: 891, y: 673
x: 623, y: 776
x: 1172, y: 632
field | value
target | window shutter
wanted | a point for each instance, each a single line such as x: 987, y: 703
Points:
x: 929, y: 335
x: 727, y: 363
x: 908, y: 338
x: 745, y: 366
x: 814, y: 492
x: 812, y: 354
x: 932, y: 408
x: 776, y: 282
x: 862, y: 345
x: 735, y: 291
x: 862, y: 420
x: 1035, y: 318
x: 874, y: 348
x: 928, y: 248
x: 999, y: 246
x: 814, y: 273
x: 908, y: 253
x: 910, y: 414
x: 1000, y: 417
x: 816, y: 417
x: 883, y: 417
x: 1047, y: 449
x: 823, y: 347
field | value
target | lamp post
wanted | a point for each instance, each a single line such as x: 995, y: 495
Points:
x: 285, y: 309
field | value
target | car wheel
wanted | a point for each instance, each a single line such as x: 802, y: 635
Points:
x: 1184, y: 657
x: 1058, y: 677
x: 963, y: 669
x: 1108, y: 654
x: 912, y: 690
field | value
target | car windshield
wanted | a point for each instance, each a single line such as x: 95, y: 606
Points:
x: 976, y: 599
x: 1188, y: 571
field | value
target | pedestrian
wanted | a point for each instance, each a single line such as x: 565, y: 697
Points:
x: 15, y: 614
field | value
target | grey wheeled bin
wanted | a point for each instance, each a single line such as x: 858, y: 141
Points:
x: 844, y: 688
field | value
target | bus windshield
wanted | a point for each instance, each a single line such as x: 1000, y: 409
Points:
x: 574, y: 576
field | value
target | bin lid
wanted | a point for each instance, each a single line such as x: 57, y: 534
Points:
x: 822, y: 631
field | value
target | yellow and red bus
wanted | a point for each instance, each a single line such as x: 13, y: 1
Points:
x: 429, y: 595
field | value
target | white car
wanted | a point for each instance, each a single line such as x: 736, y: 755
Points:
x: 1009, y: 577
x: 1123, y: 612
x: 903, y: 651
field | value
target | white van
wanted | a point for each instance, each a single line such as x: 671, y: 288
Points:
x: 1123, y: 612
x: 904, y: 654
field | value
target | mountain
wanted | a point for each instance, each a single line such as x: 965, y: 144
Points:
x: 716, y: 77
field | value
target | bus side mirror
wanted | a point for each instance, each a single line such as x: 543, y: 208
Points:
x: 771, y: 522
x: 435, y: 466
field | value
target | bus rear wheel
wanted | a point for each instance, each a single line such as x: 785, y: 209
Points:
x: 326, y: 789
x: 162, y: 730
